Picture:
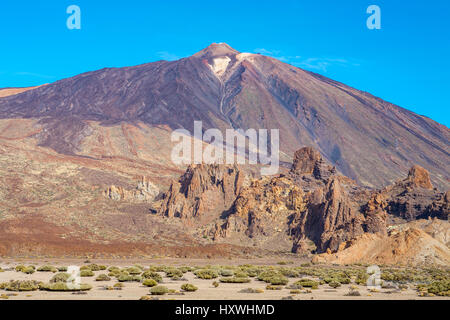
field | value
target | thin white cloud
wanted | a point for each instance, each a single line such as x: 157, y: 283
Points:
x: 315, y: 63
x: 164, y: 55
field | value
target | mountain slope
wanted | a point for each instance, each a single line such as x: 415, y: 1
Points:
x: 366, y: 138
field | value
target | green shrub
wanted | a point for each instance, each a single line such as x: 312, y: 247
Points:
x: 150, y: 282
x: 62, y: 269
x: 226, y: 272
x: 235, y: 280
x: 102, y: 277
x: 93, y: 267
x: 29, y: 270
x: 240, y: 274
x: 174, y: 273
x: 362, y: 278
x: 334, y: 284
x: 134, y: 270
x: 47, y: 268
x: 22, y: 285
x: 215, y: 284
x: 307, y: 283
x: 60, y: 277
x: 267, y: 275
x: 152, y: 275
x: 290, y: 273
x: 86, y: 273
x: 189, y: 287
x: 63, y: 286
x: 159, y: 290
x: 206, y: 274
x: 19, y: 268
x: 278, y: 280
x: 129, y: 278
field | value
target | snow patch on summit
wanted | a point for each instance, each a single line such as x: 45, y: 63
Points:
x: 220, y: 65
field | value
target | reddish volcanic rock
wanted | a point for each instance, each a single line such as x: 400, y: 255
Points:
x: 419, y: 177
x: 202, y: 193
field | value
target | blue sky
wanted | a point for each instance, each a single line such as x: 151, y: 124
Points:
x: 407, y: 62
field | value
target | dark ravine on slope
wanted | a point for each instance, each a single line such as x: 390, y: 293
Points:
x: 366, y: 138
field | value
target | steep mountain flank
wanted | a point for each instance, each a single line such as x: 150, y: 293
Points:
x: 366, y: 138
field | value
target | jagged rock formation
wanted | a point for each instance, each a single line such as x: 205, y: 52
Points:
x: 310, y: 208
x: 203, y: 193
x: 311, y: 203
x: 412, y: 198
x: 145, y: 191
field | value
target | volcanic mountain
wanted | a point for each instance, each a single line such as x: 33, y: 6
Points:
x: 366, y: 138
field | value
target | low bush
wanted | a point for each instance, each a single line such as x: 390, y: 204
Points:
x: 278, y: 280
x: 47, y: 268
x: 334, y: 284
x: 62, y: 269
x: 174, y: 273
x: 234, y: 280
x: 215, y: 284
x: 189, y: 287
x: 86, y: 273
x: 63, y: 286
x: 307, y: 283
x: 22, y: 285
x: 102, y: 277
x: 159, y: 290
x: 152, y: 275
x: 134, y: 270
x: 150, y: 282
x: 226, y: 272
x: 60, y: 277
x: 206, y: 274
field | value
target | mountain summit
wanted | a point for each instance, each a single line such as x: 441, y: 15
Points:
x: 366, y: 138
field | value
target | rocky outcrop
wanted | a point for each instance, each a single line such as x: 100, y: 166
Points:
x: 311, y: 204
x: 145, y: 191
x: 312, y: 208
x: 308, y: 161
x: 203, y: 193
x: 414, y: 198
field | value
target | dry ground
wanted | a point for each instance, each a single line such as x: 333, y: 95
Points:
x: 206, y: 291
